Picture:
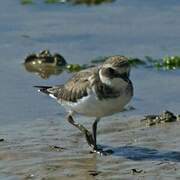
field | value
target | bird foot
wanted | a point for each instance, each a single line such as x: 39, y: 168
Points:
x: 102, y: 152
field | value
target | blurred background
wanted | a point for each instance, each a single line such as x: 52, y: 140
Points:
x: 81, y: 31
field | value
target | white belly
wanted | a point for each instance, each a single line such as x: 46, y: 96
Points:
x: 92, y: 106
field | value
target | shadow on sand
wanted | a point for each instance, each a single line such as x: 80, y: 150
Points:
x: 142, y: 153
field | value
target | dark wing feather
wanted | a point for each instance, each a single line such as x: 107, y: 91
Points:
x: 74, y: 89
x: 50, y: 90
x: 43, y: 89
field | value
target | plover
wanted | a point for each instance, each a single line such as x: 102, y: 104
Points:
x: 95, y: 92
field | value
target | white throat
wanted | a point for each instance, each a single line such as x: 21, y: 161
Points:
x: 116, y: 83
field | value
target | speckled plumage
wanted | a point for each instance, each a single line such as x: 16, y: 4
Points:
x: 95, y: 92
x: 77, y: 86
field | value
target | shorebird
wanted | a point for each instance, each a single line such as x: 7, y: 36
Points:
x: 95, y: 92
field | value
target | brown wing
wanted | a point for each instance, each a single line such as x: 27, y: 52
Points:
x: 75, y: 88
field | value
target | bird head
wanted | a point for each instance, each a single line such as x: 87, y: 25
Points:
x: 115, y: 71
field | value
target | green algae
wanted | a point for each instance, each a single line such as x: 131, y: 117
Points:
x: 51, y: 1
x: 73, y: 67
x: 46, y: 64
x: 166, y: 62
x: 25, y: 2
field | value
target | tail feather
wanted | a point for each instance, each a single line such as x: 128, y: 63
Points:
x: 52, y: 91
x: 43, y: 89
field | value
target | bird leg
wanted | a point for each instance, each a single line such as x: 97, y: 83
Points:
x: 96, y: 148
x: 88, y: 135
x: 94, y: 130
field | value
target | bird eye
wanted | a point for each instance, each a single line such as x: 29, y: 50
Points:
x: 111, y: 70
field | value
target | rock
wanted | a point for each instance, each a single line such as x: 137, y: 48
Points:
x: 44, y: 57
x: 164, y: 117
x: 45, y: 64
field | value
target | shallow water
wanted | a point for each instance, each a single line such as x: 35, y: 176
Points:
x: 31, y: 123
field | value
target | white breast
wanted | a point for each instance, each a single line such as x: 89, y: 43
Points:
x: 92, y: 106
